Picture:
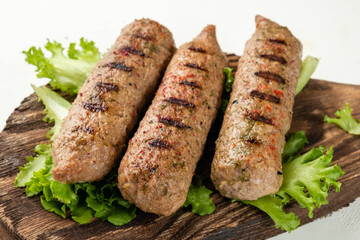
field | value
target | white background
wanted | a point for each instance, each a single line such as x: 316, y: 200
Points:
x: 329, y: 30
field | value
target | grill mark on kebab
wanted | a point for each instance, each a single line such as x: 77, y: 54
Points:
x: 191, y: 84
x: 180, y: 102
x: 119, y: 65
x: 197, y: 49
x: 270, y: 76
x: 139, y: 35
x: 88, y: 130
x: 106, y: 87
x: 260, y: 118
x: 264, y: 96
x: 158, y: 143
x: 193, y: 65
x: 95, y: 107
x: 274, y: 58
x: 130, y: 50
x: 171, y: 122
x: 253, y: 141
x: 278, y: 41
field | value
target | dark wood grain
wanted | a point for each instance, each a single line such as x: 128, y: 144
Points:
x: 24, y: 218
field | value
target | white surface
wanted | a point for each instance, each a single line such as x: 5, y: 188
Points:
x: 328, y: 30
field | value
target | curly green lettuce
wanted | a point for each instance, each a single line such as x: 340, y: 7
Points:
x: 56, y: 108
x: 199, y: 198
x: 345, y: 120
x: 294, y: 144
x: 308, y: 67
x: 67, y: 73
x: 273, y: 206
x: 307, y: 179
x: 34, y: 164
x: 229, y: 79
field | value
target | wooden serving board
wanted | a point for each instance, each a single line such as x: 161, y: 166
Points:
x: 24, y: 218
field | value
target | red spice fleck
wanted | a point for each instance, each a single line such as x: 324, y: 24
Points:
x: 80, y: 94
x: 88, y: 154
x: 278, y: 93
x: 93, y: 161
x: 272, y: 147
x: 269, y: 107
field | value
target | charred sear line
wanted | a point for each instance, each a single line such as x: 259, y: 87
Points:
x: 260, y: 118
x: 88, y: 130
x: 270, y: 76
x: 197, y: 49
x: 120, y: 66
x: 278, y: 41
x: 181, y: 102
x: 106, y: 86
x: 265, y: 96
x: 253, y: 141
x: 191, y: 84
x: 171, y: 122
x: 130, y: 50
x: 95, y: 107
x: 139, y: 35
x: 272, y: 57
x: 157, y: 143
x: 193, y: 65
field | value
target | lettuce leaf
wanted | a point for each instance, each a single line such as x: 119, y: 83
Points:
x: 199, y: 198
x: 273, y: 206
x: 67, y: 73
x: 56, y: 108
x: 34, y: 164
x: 345, y: 120
x: 308, y: 67
x: 294, y: 144
x: 53, y: 206
x: 229, y: 79
x: 307, y: 179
